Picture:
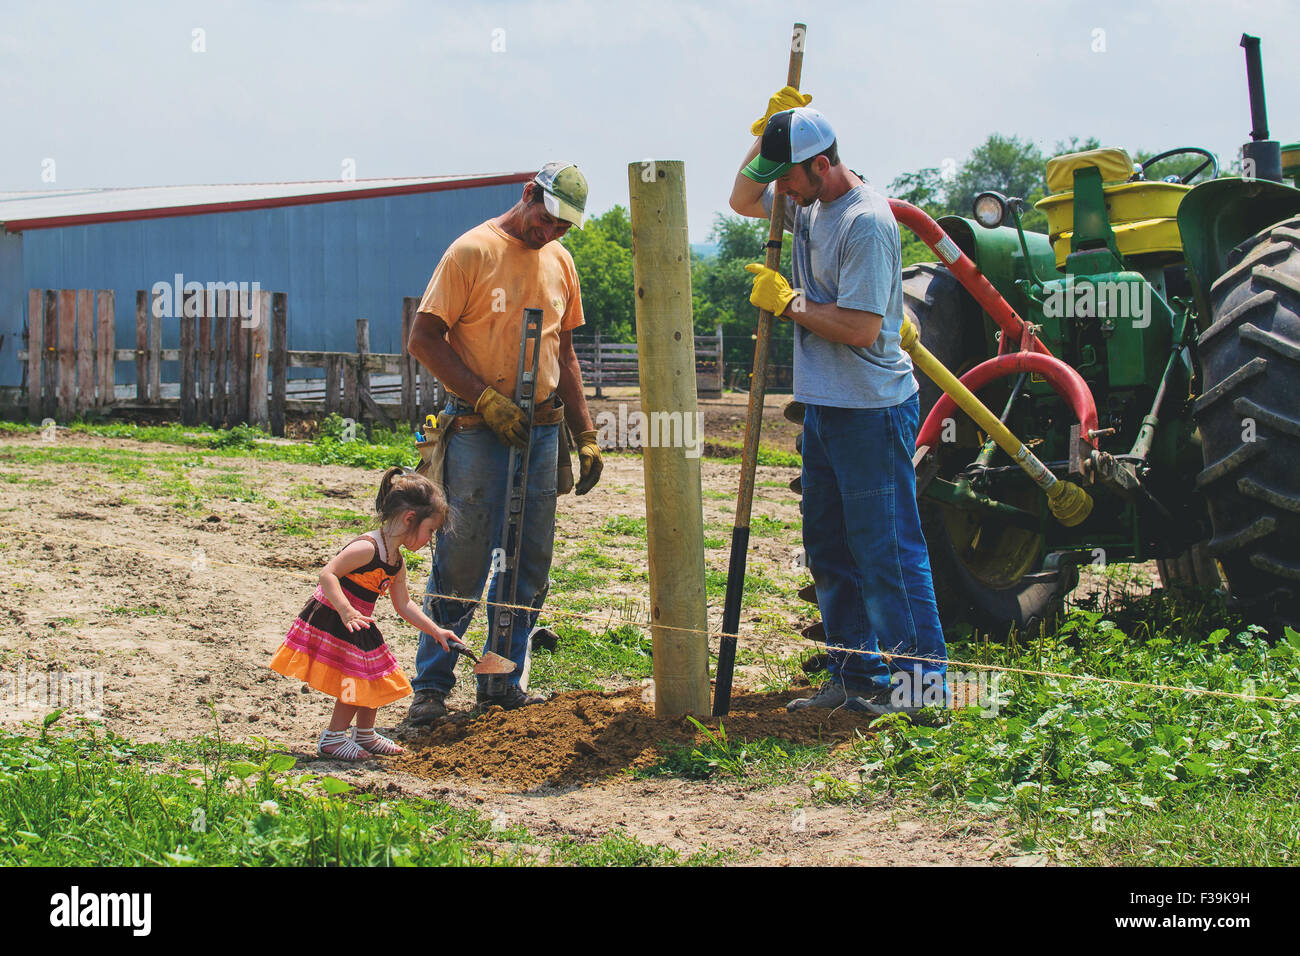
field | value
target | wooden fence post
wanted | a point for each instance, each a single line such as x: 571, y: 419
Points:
x: 409, y: 305
x: 238, y: 408
x: 185, y: 318
x: 67, y: 354
x: 84, y: 396
x: 50, y: 358
x: 106, y: 347
x: 155, y: 351
x: 141, y: 346
x: 35, y: 353
x: 279, y: 361
x: 259, y: 357
x: 364, y: 399
x: 674, y: 503
x: 599, y: 370
x: 220, y: 363
x: 203, y: 409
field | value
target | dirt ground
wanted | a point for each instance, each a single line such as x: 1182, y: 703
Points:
x: 180, y: 611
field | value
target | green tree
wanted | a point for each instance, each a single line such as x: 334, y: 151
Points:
x: 720, y: 289
x: 602, y: 254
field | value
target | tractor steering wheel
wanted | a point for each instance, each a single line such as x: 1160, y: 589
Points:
x: 1211, y: 159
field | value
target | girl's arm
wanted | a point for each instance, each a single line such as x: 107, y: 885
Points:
x: 410, y: 612
x: 345, y: 562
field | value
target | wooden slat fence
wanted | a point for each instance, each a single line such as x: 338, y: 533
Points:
x: 606, y: 364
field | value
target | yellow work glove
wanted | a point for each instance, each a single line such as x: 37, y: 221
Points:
x: 771, y: 292
x: 503, y: 416
x: 589, y: 458
x: 786, y: 98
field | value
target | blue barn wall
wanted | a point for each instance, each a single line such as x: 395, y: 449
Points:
x: 13, y: 306
x: 337, y: 261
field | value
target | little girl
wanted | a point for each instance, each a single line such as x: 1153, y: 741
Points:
x: 334, y: 645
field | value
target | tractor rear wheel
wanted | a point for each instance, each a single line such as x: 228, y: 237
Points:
x: 1250, y: 429
x: 986, y: 575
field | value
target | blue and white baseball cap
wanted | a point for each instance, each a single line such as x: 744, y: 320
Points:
x: 790, y: 137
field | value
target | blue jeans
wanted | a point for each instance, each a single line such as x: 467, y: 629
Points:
x: 475, y: 482
x: 862, y: 536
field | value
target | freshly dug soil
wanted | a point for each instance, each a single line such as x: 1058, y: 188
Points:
x: 582, y: 736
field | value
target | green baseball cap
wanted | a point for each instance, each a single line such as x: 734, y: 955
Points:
x: 564, y: 191
x: 789, y: 137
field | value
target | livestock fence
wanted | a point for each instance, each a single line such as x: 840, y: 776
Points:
x: 233, y: 360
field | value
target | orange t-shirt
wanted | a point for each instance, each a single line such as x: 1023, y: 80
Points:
x: 480, y: 289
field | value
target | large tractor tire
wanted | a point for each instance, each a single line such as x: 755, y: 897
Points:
x: 986, y: 576
x: 1250, y: 426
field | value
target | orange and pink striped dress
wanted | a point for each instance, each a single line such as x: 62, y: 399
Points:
x: 355, y: 666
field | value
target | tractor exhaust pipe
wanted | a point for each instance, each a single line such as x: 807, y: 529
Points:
x: 1261, y: 158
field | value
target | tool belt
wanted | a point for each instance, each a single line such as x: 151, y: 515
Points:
x: 433, y: 451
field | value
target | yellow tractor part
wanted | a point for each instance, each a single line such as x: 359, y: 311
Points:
x: 1069, y: 503
x: 1143, y: 214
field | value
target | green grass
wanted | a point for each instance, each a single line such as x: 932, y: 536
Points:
x: 589, y: 660
x: 624, y: 525
x: 715, y: 584
x: 82, y: 799
x: 764, y: 762
x: 767, y: 455
x: 1115, y: 774
x: 386, y: 448
x: 764, y: 526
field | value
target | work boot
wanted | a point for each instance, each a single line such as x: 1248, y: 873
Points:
x: 428, y: 706
x: 833, y: 695
x: 511, y: 698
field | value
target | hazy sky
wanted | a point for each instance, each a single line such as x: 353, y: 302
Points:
x: 116, y: 94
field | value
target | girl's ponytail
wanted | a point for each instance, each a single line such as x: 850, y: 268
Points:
x: 386, y: 486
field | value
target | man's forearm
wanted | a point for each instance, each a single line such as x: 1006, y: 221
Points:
x: 747, y: 195
x: 429, y: 346
x: 835, y: 324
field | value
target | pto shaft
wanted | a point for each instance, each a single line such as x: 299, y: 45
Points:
x: 1069, y: 503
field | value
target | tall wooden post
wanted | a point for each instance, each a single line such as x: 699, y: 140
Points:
x: 105, y: 346
x: 661, y: 270
x: 259, y: 356
x: 35, y: 353
x: 279, y: 360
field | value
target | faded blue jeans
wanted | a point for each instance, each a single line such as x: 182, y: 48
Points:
x: 862, y: 536
x: 475, y: 482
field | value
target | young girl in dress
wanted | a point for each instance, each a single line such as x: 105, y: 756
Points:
x: 334, y: 645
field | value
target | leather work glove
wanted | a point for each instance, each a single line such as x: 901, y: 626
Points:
x: 503, y: 416
x: 589, y: 458
x: 771, y: 292
x: 786, y: 98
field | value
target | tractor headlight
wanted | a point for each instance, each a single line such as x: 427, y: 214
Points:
x: 990, y: 209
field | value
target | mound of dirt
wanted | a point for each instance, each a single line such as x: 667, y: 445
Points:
x: 582, y: 736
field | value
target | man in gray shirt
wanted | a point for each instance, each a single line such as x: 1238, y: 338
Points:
x: 861, y: 528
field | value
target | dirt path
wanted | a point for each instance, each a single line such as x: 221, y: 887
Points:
x: 174, y: 609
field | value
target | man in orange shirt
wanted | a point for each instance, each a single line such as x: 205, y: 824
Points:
x: 466, y: 332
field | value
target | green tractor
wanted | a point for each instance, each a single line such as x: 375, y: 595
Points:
x: 1146, y: 349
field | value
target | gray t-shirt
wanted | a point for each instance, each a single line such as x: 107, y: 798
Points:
x: 847, y: 252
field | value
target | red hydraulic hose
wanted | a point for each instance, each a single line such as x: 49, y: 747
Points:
x: 961, y: 266
x: 1067, y: 383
